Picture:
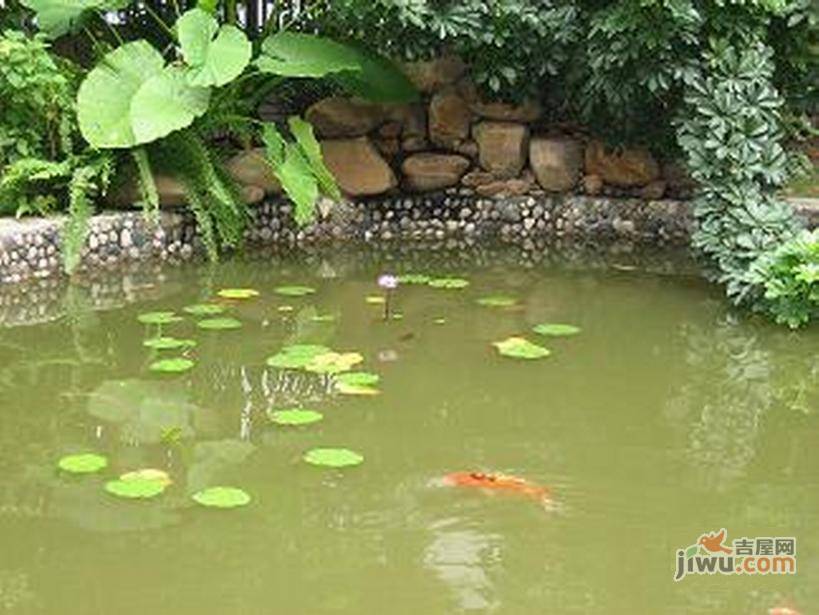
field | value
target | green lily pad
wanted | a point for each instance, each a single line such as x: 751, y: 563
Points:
x: 221, y: 497
x: 356, y: 390
x: 135, y: 488
x: 414, y: 278
x: 375, y: 299
x: 168, y: 343
x: 323, y: 318
x: 497, y: 301
x: 219, y: 324
x: 361, y: 379
x: 158, y: 318
x: 295, y: 417
x: 84, y: 463
x: 439, y: 321
x: 171, y: 366
x: 333, y: 457
x: 297, y: 356
x: 556, y: 329
x: 333, y: 362
x: 204, y: 309
x: 238, y: 293
x: 448, y: 283
x: 520, y: 348
x: 294, y: 291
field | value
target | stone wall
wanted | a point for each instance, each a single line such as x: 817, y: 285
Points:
x: 30, y: 248
x: 453, y: 138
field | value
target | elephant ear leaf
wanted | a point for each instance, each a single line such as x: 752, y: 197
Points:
x: 378, y: 79
x: 291, y: 167
x: 291, y: 54
x: 303, y: 133
x: 131, y: 98
x: 58, y: 17
x: 215, y: 56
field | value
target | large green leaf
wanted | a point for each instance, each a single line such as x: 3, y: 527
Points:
x: 215, y: 56
x: 293, y: 54
x: 306, y: 138
x: 104, y: 98
x: 57, y: 17
x: 166, y: 103
x: 131, y: 98
x: 378, y: 79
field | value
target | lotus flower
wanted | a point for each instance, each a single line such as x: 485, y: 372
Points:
x: 388, y: 282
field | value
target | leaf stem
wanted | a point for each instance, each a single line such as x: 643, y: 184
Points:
x: 159, y: 21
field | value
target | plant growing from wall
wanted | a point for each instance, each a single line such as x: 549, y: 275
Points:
x: 731, y: 136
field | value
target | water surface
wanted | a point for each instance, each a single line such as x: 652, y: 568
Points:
x: 667, y: 417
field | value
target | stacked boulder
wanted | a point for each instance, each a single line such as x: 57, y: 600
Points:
x: 454, y: 140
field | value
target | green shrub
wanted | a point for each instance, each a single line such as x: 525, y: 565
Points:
x: 512, y: 46
x: 790, y: 278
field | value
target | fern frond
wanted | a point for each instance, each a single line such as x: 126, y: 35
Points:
x: 146, y: 183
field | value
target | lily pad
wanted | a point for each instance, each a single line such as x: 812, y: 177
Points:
x: 363, y: 379
x: 284, y: 309
x: 295, y: 417
x: 171, y: 366
x: 556, y: 329
x: 439, y: 321
x: 333, y: 457
x: 294, y: 291
x: 84, y: 463
x: 135, y: 487
x: 221, y: 497
x: 160, y: 476
x: 219, y: 324
x: 448, y: 283
x: 168, y: 343
x: 414, y: 278
x: 356, y: 390
x: 497, y: 301
x: 333, y: 362
x: 323, y: 318
x: 158, y: 318
x: 204, y: 309
x: 238, y: 293
x: 375, y: 299
x: 297, y: 356
x: 521, y: 348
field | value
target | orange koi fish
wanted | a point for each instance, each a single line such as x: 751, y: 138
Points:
x: 497, y: 482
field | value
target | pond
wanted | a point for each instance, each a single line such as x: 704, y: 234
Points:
x: 663, y: 417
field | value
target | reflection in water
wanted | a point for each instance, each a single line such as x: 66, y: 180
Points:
x: 733, y: 383
x: 462, y: 559
x: 15, y: 591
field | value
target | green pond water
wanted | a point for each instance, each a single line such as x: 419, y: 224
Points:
x: 667, y: 416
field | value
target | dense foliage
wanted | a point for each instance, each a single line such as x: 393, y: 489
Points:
x: 512, y: 46
x: 146, y: 105
x: 790, y: 277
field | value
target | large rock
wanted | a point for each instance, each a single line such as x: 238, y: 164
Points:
x: 172, y: 194
x: 557, y: 162
x: 250, y: 168
x: 625, y: 168
x: 502, y: 147
x: 358, y: 167
x: 337, y: 116
x: 426, y: 172
x: 432, y: 75
x: 449, y: 119
x: 526, y: 112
